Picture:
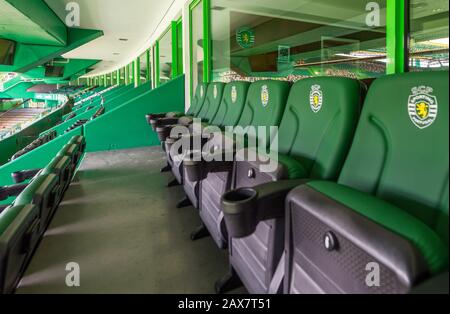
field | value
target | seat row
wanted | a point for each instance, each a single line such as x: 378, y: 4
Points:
x: 34, y: 198
x: 358, y: 181
x: 80, y: 122
x: 35, y: 144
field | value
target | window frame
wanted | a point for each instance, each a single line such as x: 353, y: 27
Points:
x: 207, y: 44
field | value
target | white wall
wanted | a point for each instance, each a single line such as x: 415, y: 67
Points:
x: 179, y: 8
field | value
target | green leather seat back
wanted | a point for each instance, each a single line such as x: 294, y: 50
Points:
x: 212, y: 101
x: 319, y: 123
x: 197, y: 100
x: 265, y: 105
x: 233, y: 101
x: 400, y: 150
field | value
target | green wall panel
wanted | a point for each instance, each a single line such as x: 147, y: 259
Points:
x: 127, y: 96
x: 35, y: 159
x: 126, y: 126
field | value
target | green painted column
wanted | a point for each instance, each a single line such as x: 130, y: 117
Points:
x: 157, y: 82
x: 173, y: 29
x: 118, y: 77
x: 149, y: 67
x: 396, y: 44
x: 207, y: 40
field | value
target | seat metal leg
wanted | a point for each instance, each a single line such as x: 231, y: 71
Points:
x: 166, y: 168
x: 199, y: 233
x: 172, y: 183
x: 185, y: 202
x: 228, y: 282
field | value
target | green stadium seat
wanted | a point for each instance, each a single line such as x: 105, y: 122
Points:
x: 264, y: 107
x: 197, y: 101
x: 314, y: 136
x: 207, y: 113
x: 18, y: 237
x: 388, y: 212
x: 229, y: 113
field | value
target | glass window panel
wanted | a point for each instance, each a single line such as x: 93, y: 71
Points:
x: 428, y: 35
x: 122, y: 76
x: 291, y: 39
x: 197, y: 56
x: 143, y: 68
x: 114, y: 77
x: 165, y: 57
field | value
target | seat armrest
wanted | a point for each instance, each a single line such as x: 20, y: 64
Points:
x: 187, y: 143
x: 20, y: 176
x: 166, y: 121
x: 163, y: 132
x: 244, y: 208
x: 356, y: 223
x: 154, y: 116
x: 198, y: 168
x: 11, y: 190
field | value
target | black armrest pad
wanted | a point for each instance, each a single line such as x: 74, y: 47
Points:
x: 198, y: 170
x: 11, y: 190
x: 20, y: 176
x: 166, y: 121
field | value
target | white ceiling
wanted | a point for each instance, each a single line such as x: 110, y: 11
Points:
x: 135, y: 20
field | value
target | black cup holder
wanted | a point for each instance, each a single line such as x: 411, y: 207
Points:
x: 240, y: 208
x: 153, y: 123
x: 192, y: 168
x: 163, y: 133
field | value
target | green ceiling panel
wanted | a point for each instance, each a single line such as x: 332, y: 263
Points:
x: 31, y: 22
x: 31, y: 56
x: 18, y: 86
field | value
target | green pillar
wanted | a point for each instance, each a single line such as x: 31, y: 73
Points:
x: 149, y: 68
x: 396, y: 44
x: 157, y: 82
x: 206, y: 40
x: 173, y: 28
x: 118, y: 77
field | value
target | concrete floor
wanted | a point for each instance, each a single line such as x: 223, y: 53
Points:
x: 118, y: 221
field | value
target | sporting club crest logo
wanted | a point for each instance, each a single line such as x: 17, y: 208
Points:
x: 234, y: 94
x: 422, y: 106
x: 316, y: 98
x: 264, y: 95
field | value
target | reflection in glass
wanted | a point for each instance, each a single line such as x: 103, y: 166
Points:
x: 165, y: 57
x: 197, y: 45
x: 429, y: 35
x: 292, y: 39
